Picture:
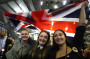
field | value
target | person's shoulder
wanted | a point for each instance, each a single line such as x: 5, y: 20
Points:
x: 8, y: 41
x: 81, y: 27
x: 32, y: 40
x: 17, y: 41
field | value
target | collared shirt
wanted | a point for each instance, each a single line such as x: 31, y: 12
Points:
x: 41, y: 47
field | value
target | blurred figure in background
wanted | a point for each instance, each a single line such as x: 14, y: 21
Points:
x: 8, y: 45
x: 3, y: 38
x: 86, y: 52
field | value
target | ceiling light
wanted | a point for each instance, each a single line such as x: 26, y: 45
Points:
x: 55, y: 6
x: 64, y: 2
x: 41, y: 3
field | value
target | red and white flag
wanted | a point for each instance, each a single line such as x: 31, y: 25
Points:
x: 65, y: 19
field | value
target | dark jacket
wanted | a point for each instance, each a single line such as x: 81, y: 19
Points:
x: 80, y: 30
x: 8, y: 46
x: 39, y: 53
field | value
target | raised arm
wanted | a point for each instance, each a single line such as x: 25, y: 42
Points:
x: 80, y: 30
x: 9, y: 28
x: 82, y: 18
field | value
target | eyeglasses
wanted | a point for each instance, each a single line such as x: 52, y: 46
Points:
x: 24, y: 33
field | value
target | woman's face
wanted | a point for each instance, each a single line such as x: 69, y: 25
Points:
x: 59, y: 37
x: 43, y: 37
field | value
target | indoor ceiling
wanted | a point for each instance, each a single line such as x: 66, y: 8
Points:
x: 16, y: 6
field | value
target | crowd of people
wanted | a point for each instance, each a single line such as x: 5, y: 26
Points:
x: 27, y: 48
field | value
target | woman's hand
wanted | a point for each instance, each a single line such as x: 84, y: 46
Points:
x: 85, y: 4
x: 82, y: 18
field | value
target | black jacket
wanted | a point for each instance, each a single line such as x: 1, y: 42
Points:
x: 80, y: 30
x: 38, y: 50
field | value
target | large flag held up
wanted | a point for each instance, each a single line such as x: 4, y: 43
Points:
x: 65, y: 19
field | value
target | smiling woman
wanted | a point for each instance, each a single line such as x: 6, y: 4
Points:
x: 62, y: 48
x: 41, y: 49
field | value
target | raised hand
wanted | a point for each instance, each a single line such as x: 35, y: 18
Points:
x: 82, y: 18
x: 85, y: 4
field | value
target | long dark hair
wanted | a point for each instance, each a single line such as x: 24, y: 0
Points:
x: 55, y: 46
x: 43, y: 51
x: 47, y: 39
